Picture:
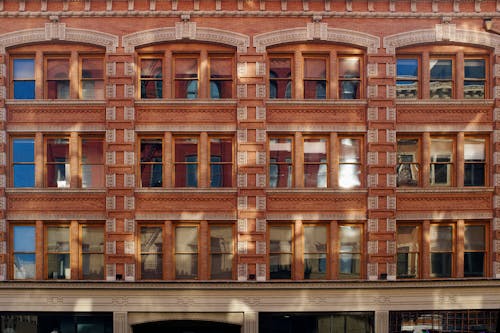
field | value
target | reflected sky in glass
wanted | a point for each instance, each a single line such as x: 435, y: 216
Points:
x: 24, y: 238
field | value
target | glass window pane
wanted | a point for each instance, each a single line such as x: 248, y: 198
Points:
x: 24, y: 69
x: 92, y: 266
x: 281, y: 68
x: 349, y: 265
x: 151, y: 150
x: 315, y: 238
x: 349, y: 150
x: 24, y: 150
x: 315, y: 150
x: 441, y: 264
x: 441, y: 69
x: 221, y: 68
x: 24, y: 238
x: 58, y: 266
x: 186, y: 239
x: 281, y: 150
x: 186, y: 149
x: 315, y: 68
x: 24, y: 175
x: 474, y: 89
x: 92, y: 151
x: 221, y: 239
x: 222, y: 148
x: 474, y: 238
x: 57, y: 69
x: 441, y: 238
x: 24, y: 89
x: 186, y: 68
x: 152, y: 266
x: 92, y: 239
x: 58, y: 239
x: 408, y: 238
x: 474, y: 69
x: 474, y: 264
x: 474, y: 149
x: 407, y: 69
x: 349, y: 175
x: 350, y: 239
x: 441, y: 150
x: 93, y: 89
x: 221, y: 266
x: 24, y: 265
x: 315, y: 266
x: 315, y: 175
x: 151, y: 239
x: 186, y: 266
x: 280, y: 266
x: 151, y: 68
x: 349, y: 67
x: 58, y: 89
x: 350, y: 89
x: 92, y: 68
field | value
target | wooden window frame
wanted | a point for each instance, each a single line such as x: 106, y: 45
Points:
x: 291, y: 164
x: 417, y: 163
x: 487, y: 73
x: 14, y: 57
x: 419, y: 79
x: 81, y: 163
x: 419, y: 253
x: 81, y: 79
x: 46, y: 163
x: 140, y: 252
x: 175, y: 58
x: 326, y: 252
x: 232, y: 252
x: 290, y: 79
x: 291, y: 253
x: 174, y: 250
x: 70, y: 78
x: 486, y: 161
x: 140, y: 163
x: 209, y: 74
x: 175, y: 162
x: 361, y: 253
x: 327, y: 159
x: 46, y: 227
x: 486, y: 251
x: 359, y: 79
x: 361, y: 162
x: 453, y: 163
x: 12, y: 253
x: 453, y: 248
x: 140, y: 79
x: 210, y: 163
x: 316, y: 56
x: 81, y: 226
x: 13, y: 163
x: 453, y: 59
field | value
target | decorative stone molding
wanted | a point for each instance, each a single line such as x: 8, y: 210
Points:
x: 187, y: 30
x: 185, y: 216
x: 58, y: 31
x: 242, y: 158
x: 372, y: 225
x: 242, y: 225
x: 243, y: 203
x: 372, y: 269
x: 129, y: 225
x: 260, y: 247
x: 242, y: 113
x: 439, y: 216
x: 372, y: 247
x: 261, y: 272
x: 111, y: 272
x: 311, y: 32
x: 129, y: 272
x: 372, y: 114
x: 260, y: 225
x: 442, y: 32
x: 242, y: 247
x: 111, y: 225
x: 111, y: 247
x: 242, y: 180
x: 242, y: 272
x: 349, y: 216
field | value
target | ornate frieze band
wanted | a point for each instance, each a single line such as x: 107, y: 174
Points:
x: 187, y: 30
x: 58, y: 31
x: 265, y: 40
x: 442, y: 32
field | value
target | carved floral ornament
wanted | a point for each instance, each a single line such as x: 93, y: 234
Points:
x: 58, y: 31
x: 442, y: 32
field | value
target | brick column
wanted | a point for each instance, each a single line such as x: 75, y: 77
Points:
x: 381, y: 162
x: 495, y: 256
x: 120, y: 167
x: 3, y: 166
x: 251, y: 167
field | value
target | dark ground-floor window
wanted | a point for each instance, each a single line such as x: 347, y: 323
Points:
x: 324, y: 322
x: 186, y: 326
x: 59, y: 322
x: 463, y: 321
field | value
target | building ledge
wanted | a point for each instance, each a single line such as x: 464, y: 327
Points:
x: 315, y: 191
x: 185, y: 102
x: 54, y: 191
x: 316, y: 102
x: 52, y: 102
x: 447, y: 102
x: 226, y: 190
x: 446, y: 190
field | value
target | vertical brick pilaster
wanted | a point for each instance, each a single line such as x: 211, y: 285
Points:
x: 495, y: 265
x: 381, y: 153
x: 120, y: 166
x: 3, y: 166
x: 251, y: 167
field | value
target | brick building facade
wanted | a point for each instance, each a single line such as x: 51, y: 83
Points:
x: 249, y: 166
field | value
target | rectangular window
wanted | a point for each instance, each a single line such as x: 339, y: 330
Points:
x: 23, y: 162
x: 349, y: 77
x: 475, y: 161
x: 186, y: 252
x: 441, y: 251
x: 441, y: 79
x: 475, y: 250
x: 92, y: 267
x: 221, y: 162
x: 92, y: 78
x: 186, y: 77
x: 315, y: 162
x: 221, y: 252
x: 407, y: 78
x: 151, y: 78
x: 349, y: 162
x: 315, y: 83
x: 474, y: 78
x: 186, y: 162
x: 23, y: 78
x: 408, y: 251
x: 349, y: 252
x: 151, y: 162
x: 92, y: 162
x: 280, y: 78
x: 221, y: 77
x: 151, y: 239
x: 57, y: 78
x: 280, y: 162
x: 441, y: 169
x: 58, y: 252
x: 23, y: 248
x: 408, y: 168
x: 280, y: 252
x: 57, y: 162
x: 315, y: 251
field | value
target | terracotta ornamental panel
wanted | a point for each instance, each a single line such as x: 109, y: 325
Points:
x: 186, y: 115
x: 457, y: 113
x: 54, y: 113
x: 186, y: 202
x: 444, y: 202
x: 55, y: 202
x: 321, y: 114
x: 316, y: 203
